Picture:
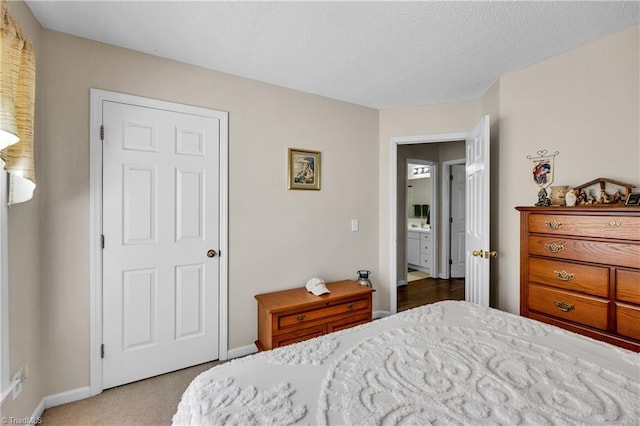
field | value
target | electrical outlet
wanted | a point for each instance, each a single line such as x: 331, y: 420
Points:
x: 18, y: 387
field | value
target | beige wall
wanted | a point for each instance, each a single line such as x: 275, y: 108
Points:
x: 24, y: 260
x: 278, y: 238
x: 583, y: 104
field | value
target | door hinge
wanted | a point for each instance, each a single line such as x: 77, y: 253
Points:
x: 102, y: 240
x: 450, y: 221
x: 450, y: 177
x: 102, y: 132
x: 102, y: 350
x: 450, y: 262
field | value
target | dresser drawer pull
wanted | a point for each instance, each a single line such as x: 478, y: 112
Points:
x: 301, y: 317
x: 554, y: 224
x: 613, y: 224
x: 351, y: 306
x: 563, y: 275
x: 564, y: 307
x: 554, y: 248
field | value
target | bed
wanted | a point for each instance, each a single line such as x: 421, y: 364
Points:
x: 446, y: 363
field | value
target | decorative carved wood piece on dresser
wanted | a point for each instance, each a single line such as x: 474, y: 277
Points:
x: 580, y: 270
x: 291, y: 316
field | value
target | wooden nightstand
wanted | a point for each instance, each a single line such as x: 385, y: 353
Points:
x: 291, y: 316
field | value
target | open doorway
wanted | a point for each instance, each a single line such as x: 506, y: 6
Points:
x: 424, y: 234
x: 477, y: 231
x: 421, y: 218
x: 453, y: 236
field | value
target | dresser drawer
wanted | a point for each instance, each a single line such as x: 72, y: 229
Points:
x: 618, y: 254
x: 570, y: 276
x: 349, y: 322
x: 285, y: 321
x: 628, y: 286
x: 570, y: 306
x: 299, y: 335
x: 618, y: 227
x: 628, y: 320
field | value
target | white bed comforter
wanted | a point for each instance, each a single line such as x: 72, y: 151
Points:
x: 446, y: 363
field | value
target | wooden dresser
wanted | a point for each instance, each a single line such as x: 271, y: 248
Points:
x: 291, y: 316
x: 580, y: 270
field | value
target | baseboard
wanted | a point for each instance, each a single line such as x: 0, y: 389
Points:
x: 242, y: 351
x: 66, y: 397
x: 36, y: 417
x: 380, y: 314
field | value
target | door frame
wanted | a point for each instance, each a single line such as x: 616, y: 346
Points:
x: 445, y: 268
x: 97, y: 97
x: 393, y: 196
x: 434, y: 218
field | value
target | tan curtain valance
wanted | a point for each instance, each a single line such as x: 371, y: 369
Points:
x: 17, y: 105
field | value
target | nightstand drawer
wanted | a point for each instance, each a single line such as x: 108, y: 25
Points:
x: 619, y: 254
x: 619, y: 227
x: 570, y: 306
x: 317, y: 314
x: 570, y: 276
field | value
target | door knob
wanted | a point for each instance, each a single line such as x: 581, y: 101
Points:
x: 211, y: 253
x: 485, y: 254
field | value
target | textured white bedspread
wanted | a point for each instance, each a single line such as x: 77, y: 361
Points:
x: 446, y: 363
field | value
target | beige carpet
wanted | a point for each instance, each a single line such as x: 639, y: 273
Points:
x: 147, y: 402
x: 416, y: 275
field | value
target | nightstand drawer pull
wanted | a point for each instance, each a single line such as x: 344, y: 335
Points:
x: 351, y: 306
x: 301, y: 317
x: 554, y: 224
x: 613, y: 224
x: 563, y: 275
x: 554, y: 248
x: 564, y: 307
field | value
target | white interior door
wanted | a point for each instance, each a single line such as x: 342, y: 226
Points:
x: 477, y: 214
x: 160, y: 221
x: 458, y: 234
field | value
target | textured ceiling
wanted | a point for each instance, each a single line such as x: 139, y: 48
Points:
x: 378, y: 54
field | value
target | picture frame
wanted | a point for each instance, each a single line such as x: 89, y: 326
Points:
x: 303, y: 169
x: 633, y: 199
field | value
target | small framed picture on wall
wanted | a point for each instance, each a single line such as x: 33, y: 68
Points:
x: 303, y: 169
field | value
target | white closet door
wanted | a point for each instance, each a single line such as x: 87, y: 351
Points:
x: 160, y: 221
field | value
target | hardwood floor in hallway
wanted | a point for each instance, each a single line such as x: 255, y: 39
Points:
x: 429, y: 290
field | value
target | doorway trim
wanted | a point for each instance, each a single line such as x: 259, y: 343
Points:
x: 393, y: 196
x: 95, y: 220
x: 445, y: 269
